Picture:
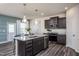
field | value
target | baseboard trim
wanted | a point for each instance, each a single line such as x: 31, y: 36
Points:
x: 77, y: 51
x: 4, y: 42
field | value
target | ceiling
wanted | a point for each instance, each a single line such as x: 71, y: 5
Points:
x: 43, y: 9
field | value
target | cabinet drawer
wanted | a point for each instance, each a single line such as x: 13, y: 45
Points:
x: 28, y: 42
x: 28, y: 45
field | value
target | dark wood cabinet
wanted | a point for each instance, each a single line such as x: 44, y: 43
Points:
x: 38, y: 45
x: 51, y: 23
x: 25, y: 48
x: 47, y: 25
x: 21, y: 48
x: 30, y: 47
x: 62, y: 22
x: 55, y: 22
x: 61, y: 39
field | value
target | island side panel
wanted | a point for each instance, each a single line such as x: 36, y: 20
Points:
x: 16, y: 48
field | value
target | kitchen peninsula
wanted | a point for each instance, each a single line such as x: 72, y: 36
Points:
x: 30, y: 45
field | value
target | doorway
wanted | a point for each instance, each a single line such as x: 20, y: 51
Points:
x: 11, y: 31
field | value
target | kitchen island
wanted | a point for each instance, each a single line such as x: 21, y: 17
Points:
x: 30, y: 45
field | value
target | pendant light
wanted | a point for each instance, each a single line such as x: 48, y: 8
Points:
x: 24, y: 17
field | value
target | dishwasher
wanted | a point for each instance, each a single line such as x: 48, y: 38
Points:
x: 46, y: 41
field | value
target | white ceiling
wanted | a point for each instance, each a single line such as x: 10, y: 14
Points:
x: 18, y: 10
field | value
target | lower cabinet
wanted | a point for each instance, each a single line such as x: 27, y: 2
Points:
x: 38, y: 45
x: 61, y: 39
x: 25, y: 48
x: 30, y: 47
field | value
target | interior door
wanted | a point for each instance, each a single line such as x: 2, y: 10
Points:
x: 11, y: 27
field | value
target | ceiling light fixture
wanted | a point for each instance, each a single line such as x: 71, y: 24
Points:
x: 24, y: 17
x: 66, y: 8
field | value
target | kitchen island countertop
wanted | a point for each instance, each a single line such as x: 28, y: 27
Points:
x: 29, y: 37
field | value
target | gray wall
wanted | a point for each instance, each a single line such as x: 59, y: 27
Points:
x: 3, y: 26
x: 72, y: 16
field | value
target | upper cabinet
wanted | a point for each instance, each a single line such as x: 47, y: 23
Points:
x: 47, y: 24
x: 62, y: 22
x: 55, y: 22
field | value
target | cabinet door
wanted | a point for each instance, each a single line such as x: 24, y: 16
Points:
x: 47, y: 23
x: 35, y: 46
x: 62, y: 22
x: 28, y: 48
x: 21, y: 48
x: 53, y: 22
x: 28, y: 51
x: 25, y: 48
x: 41, y: 43
x: 61, y: 39
x: 38, y: 45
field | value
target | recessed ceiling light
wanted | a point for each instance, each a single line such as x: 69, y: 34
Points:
x: 42, y: 14
x: 36, y: 10
x: 66, y: 8
x: 24, y: 4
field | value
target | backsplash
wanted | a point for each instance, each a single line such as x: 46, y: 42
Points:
x: 59, y: 31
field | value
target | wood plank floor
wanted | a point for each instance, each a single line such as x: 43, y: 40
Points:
x: 7, y: 49
x: 53, y: 50
x: 57, y: 50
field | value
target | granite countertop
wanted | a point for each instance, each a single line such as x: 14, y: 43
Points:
x: 30, y: 37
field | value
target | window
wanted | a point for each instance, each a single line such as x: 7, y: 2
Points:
x: 23, y: 26
x: 11, y: 28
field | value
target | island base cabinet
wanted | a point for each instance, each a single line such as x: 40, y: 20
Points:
x: 25, y: 48
x: 38, y: 45
x: 21, y: 48
x: 31, y: 47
